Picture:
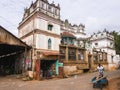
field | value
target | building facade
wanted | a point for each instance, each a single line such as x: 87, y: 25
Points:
x: 52, y: 40
x: 77, y: 30
x: 104, y: 42
x: 73, y: 52
x: 40, y: 28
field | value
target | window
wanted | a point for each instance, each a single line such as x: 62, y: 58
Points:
x: 49, y: 43
x: 80, y: 56
x: 55, y: 11
x: 111, y: 43
x: 49, y: 8
x: 112, y: 58
x: 96, y: 44
x: 105, y: 56
x: 100, y: 56
x: 43, y: 5
x: 34, y: 6
x: 50, y: 27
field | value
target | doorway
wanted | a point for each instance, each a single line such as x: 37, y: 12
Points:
x: 49, y: 68
x: 90, y: 61
x: 11, y: 59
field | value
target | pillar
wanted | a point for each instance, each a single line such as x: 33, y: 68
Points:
x: 98, y: 59
x: 76, y: 54
x: 103, y: 57
x: 85, y: 55
x: 66, y: 54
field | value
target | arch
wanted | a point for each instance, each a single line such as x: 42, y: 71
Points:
x: 49, y: 43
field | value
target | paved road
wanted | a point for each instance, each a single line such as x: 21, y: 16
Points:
x: 81, y: 82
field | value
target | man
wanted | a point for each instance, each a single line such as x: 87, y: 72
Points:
x: 100, y: 69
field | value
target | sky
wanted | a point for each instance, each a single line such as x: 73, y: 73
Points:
x: 96, y: 15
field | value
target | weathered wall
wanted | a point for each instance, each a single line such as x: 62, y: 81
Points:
x: 69, y: 69
x: 42, y: 25
x: 42, y: 42
x: 7, y: 38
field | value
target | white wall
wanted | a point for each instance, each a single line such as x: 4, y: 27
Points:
x: 26, y: 29
x: 101, y: 43
x: 42, y: 25
x: 28, y: 40
x: 80, y: 35
x: 42, y: 42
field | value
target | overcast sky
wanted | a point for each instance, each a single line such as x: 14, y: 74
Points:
x: 94, y: 14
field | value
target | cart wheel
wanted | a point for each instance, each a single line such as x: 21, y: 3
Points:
x: 107, y: 83
x: 94, y: 85
x: 101, y: 86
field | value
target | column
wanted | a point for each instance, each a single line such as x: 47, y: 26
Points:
x: 98, y: 59
x: 103, y: 56
x: 66, y: 55
x: 76, y: 54
x: 84, y: 55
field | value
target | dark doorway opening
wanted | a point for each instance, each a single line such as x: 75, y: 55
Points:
x: 11, y: 57
x: 7, y: 66
x: 48, y: 68
x: 90, y: 61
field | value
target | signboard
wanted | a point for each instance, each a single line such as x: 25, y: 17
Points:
x: 60, y: 64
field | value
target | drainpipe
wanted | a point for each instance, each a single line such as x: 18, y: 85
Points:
x: 33, y: 56
x: 33, y: 50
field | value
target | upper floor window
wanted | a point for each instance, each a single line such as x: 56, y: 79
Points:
x: 111, y: 43
x: 49, y: 43
x: 43, y: 6
x: 96, y: 44
x: 34, y: 6
x: 49, y: 8
x: 50, y: 27
x: 55, y: 11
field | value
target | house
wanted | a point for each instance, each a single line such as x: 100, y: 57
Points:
x: 40, y: 28
x: 72, y: 51
x: 104, y: 42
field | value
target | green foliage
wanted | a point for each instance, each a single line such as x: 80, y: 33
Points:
x: 116, y: 41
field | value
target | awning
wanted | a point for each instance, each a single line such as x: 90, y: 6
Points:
x: 51, y: 53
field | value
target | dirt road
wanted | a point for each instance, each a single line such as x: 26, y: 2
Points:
x: 80, y: 82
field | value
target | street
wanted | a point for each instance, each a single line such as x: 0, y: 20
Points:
x: 77, y: 82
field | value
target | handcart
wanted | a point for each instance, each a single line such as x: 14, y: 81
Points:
x: 100, y: 82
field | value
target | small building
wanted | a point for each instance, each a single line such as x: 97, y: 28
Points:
x: 13, y: 54
x: 104, y: 42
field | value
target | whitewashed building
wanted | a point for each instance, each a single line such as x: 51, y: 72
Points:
x: 104, y: 41
x: 77, y: 30
x: 40, y: 28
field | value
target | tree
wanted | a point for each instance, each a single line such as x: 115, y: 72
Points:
x: 116, y: 41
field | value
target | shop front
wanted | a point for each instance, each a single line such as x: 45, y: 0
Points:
x: 47, y: 66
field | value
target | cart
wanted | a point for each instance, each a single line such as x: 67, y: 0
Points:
x: 100, y: 82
